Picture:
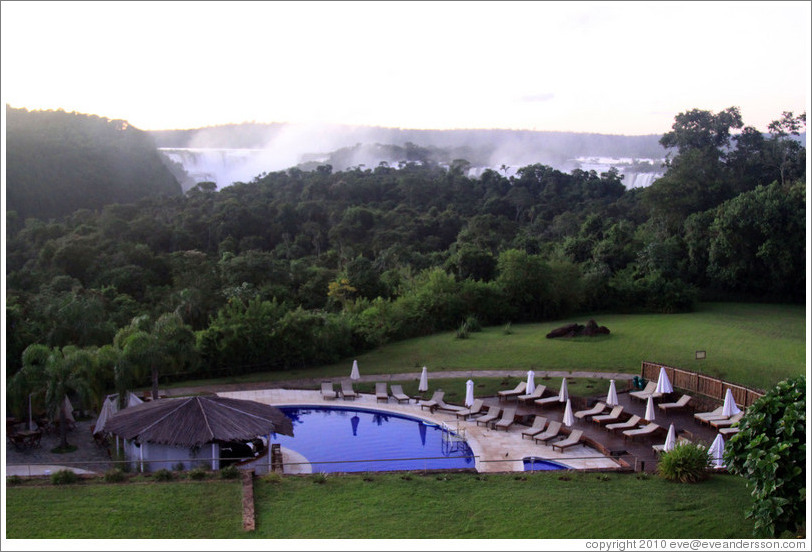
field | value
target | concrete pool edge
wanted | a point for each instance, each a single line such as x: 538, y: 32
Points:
x: 494, y: 451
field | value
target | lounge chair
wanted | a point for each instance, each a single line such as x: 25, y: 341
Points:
x: 649, y: 391
x: 712, y: 415
x: 645, y: 430
x: 613, y: 416
x: 631, y: 423
x: 493, y: 414
x: 682, y: 402
x: 507, y: 420
x: 347, y: 391
x: 729, y: 430
x: 597, y: 409
x: 727, y: 422
x: 399, y: 395
x: 381, y: 394
x: 573, y: 439
x: 538, y: 426
x: 328, y: 391
x: 547, y: 401
x: 450, y: 407
x: 552, y: 431
x: 515, y: 392
x: 476, y: 408
x: 536, y: 394
x: 432, y: 403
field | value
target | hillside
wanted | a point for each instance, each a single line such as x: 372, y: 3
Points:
x: 58, y: 162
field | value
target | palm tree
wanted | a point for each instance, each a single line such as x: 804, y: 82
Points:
x: 29, y: 379
x: 65, y: 373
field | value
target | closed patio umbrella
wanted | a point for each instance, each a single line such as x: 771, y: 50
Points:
x: 355, y: 375
x: 670, y: 439
x: 531, y: 382
x: 729, y: 408
x: 663, y: 383
x: 563, y: 395
x: 569, y: 418
x: 611, y: 397
x: 650, y: 410
x: 469, y: 393
x: 716, y: 451
x: 424, y: 381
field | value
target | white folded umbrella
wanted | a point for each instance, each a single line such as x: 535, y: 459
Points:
x: 663, y: 383
x: 469, y: 393
x: 729, y: 408
x: 611, y: 397
x: 531, y: 381
x: 355, y: 375
x: 563, y: 395
x: 424, y: 381
x: 650, y: 410
x: 716, y: 451
x: 670, y: 439
x: 569, y: 418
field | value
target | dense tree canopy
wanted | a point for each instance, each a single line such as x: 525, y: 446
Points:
x: 301, y: 267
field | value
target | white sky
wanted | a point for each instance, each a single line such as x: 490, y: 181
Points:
x: 610, y: 67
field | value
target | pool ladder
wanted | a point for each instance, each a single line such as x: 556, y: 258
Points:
x: 453, y: 437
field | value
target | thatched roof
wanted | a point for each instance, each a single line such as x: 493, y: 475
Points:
x: 195, y: 421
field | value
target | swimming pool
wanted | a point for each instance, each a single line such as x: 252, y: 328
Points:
x: 539, y: 464
x: 347, y: 439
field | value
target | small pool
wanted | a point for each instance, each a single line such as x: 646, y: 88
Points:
x: 347, y: 439
x: 539, y: 464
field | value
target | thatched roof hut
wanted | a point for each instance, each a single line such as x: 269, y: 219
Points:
x: 194, y: 421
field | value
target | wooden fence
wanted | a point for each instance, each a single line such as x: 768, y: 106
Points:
x: 701, y: 384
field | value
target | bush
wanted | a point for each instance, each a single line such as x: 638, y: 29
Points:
x: 114, y: 476
x: 685, y: 463
x: 14, y: 480
x: 473, y: 324
x: 770, y: 452
x: 163, y: 475
x: 320, y: 478
x: 179, y: 466
x: 273, y: 477
x: 229, y: 472
x: 198, y: 473
x: 463, y: 331
x: 64, y: 477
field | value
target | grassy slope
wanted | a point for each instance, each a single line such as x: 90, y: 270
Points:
x: 756, y: 345
x: 461, y: 505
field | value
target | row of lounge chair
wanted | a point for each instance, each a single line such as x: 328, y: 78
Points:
x: 347, y: 392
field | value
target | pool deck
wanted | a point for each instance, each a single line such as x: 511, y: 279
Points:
x: 495, y: 450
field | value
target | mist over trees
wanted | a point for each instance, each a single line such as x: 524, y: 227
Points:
x: 297, y: 268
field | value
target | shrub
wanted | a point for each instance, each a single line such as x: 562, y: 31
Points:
x: 198, y: 473
x: 463, y: 331
x: 320, y: 478
x: 179, y: 466
x: 770, y: 452
x: 14, y: 480
x: 507, y: 330
x: 229, y: 472
x: 64, y: 477
x: 114, y: 475
x: 273, y: 477
x: 473, y: 324
x: 163, y: 475
x: 685, y: 463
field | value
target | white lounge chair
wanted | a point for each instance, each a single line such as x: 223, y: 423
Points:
x: 538, y: 426
x: 573, y: 439
x: 515, y: 392
x: 597, y: 409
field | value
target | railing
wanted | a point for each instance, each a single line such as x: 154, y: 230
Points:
x: 702, y: 384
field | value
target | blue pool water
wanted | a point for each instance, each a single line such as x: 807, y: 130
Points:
x: 537, y: 464
x: 346, y: 439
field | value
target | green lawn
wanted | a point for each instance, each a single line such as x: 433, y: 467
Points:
x: 398, y: 506
x: 756, y: 345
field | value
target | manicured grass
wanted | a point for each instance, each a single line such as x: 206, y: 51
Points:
x: 756, y: 345
x: 125, y: 511
x: 751, y: 344
x: 537, y: 505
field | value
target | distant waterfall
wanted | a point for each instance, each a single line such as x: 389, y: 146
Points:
x: 222, y: 166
